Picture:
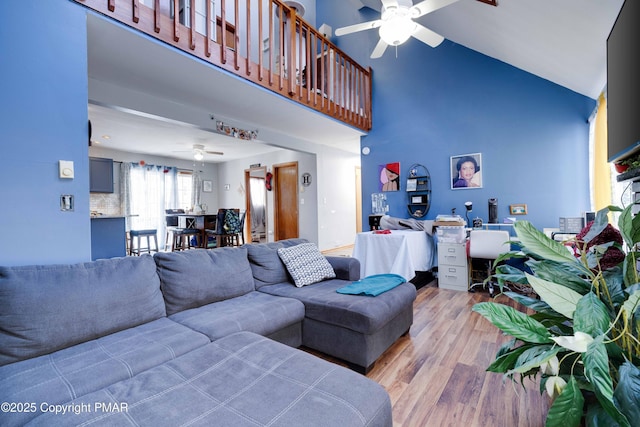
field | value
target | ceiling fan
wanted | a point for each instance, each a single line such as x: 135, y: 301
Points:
x: 199, y: 152
x: 396, y: 24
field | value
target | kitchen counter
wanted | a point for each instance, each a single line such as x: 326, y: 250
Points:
x: 108, y: 236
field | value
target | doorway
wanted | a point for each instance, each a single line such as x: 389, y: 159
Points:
x: 285, y: 187
x: 256, y: 204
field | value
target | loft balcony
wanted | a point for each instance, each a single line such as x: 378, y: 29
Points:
x: 264, y: 42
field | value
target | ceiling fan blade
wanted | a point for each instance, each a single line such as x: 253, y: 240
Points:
x: 358, y: 27
x: 379, y: 49
x: 428, y: 6
x: 388, y: 3
x: 219, y: 153
x: 427, y: 36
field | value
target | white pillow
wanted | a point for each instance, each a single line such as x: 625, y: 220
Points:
x: 306, y: 264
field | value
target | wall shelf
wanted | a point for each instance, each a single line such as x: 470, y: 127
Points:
x: 418, y: 190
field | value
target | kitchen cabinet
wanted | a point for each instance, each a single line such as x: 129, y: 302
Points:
x: 100, y: 175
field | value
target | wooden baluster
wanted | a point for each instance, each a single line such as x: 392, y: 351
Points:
x: 176, y: 21
x: 236, y: 38
x: 260, y: 42
x: 223, y: 32
x: 111, y: 5
x: 308, y: 65
x: 156, y: 16
x: 135, y: 5
x: 210, y: 20
x: 192, y: 24
x: 298, y: 61
x: 248, y: 36
x: 271, y: 52
x: 281, y: 45
x: 323, y: 73
x: 292, y: 51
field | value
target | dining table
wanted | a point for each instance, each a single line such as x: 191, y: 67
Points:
x: 200, y: 221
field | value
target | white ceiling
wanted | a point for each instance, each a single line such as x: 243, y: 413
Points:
x: 563, y: 41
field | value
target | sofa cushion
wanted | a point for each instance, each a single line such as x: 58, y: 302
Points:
x: 67, y: 374
x: 254, y: 312
x: 266, y: 266
x: 305, y: 264
x: 360, y: 313
x: 195, y: 278
x: 50, y: 307
x: 240, y: 380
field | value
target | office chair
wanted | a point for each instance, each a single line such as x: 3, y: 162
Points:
x: 488, y: 245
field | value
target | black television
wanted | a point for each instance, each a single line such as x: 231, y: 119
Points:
x: 623, y: 83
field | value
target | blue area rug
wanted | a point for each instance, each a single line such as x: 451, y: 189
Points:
x: 373, y: 285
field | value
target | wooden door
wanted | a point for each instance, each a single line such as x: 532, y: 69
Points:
x: 285, y: 187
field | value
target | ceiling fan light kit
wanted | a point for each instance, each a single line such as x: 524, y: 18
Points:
x: 397, y: 24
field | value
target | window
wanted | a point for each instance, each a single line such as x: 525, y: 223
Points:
x: 184, y: 190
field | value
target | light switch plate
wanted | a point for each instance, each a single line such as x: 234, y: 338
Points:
x: 65, y: 168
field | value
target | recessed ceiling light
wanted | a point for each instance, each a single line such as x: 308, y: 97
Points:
x: 106, y: 137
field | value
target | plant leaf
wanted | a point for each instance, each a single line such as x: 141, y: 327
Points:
x: 513, y: 322
x: 561, y: 299
x: 629, y: 226
x: 534, y: 357
x: 627, y: 394
x: 506, y: 361
x: 591, y: 315
x: 631, y: 304
x: 539, y: 244
x: 596, y: 369
x: 566, y: 410
x: 569, y: 274
x: 532, y: 303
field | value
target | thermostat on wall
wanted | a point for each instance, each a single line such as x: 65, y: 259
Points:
x: 65, y: 168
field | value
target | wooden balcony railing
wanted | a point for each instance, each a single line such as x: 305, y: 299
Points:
x: 264, y: 41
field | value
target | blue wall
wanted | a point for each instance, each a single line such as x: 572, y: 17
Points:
x: 430, y: 104
x: 44, y: 119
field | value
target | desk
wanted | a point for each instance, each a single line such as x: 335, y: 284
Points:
x: 401, y: 252
x: 200, y: 222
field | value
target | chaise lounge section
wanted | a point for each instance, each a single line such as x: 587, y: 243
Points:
x: 189, y: 337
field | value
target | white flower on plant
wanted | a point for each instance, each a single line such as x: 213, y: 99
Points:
x: 551, y: 366
x: 554, y: 386
x: 577, y: 342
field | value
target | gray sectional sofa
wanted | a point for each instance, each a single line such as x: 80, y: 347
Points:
x: 202, y: 337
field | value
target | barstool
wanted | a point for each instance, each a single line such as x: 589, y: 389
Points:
x: 179, y: 236
x: 137, y: 234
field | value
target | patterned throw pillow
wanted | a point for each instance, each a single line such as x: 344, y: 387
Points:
x: 306, y: 264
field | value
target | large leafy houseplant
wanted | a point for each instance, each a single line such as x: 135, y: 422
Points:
x: 582, y: 333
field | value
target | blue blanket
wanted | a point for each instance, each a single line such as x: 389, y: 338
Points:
x: 373, y: 285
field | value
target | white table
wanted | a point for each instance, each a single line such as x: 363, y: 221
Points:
x: 401, y: 252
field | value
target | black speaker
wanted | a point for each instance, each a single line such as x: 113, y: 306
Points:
x: 493, y: 211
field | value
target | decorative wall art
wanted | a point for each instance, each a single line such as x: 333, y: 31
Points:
x: 466, y: 171
x: 389, y: 176
x: 235, y: 132
x: 518, y: 209
x: 207, y: 186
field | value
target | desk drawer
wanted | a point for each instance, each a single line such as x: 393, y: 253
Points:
x: 452, y: 254
x: 453, y: 277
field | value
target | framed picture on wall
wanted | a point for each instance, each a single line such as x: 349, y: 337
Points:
x: 518, y: 209
x: 389, y: 177
x: 207, y: 186
x: 466, y: 171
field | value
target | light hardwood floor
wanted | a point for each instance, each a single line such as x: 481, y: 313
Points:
x: 436, y: 375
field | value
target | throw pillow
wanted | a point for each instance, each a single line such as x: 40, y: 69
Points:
x: 306, y: 264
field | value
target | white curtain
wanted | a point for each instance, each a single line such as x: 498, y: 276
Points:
x: 147, y: 191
